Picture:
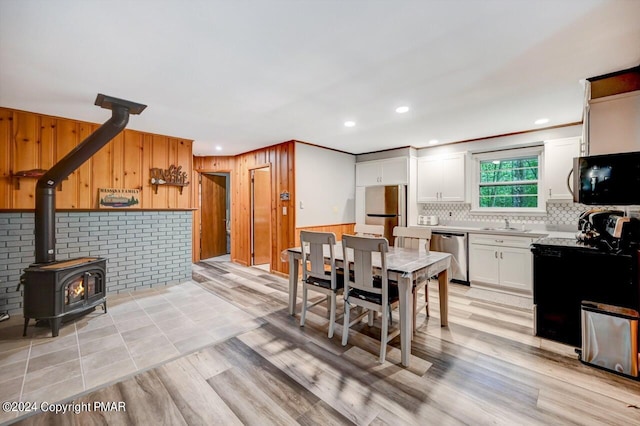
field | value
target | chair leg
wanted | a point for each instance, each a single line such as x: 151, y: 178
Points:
x: 426, y: 297
x: 384, y: 336
x: 332, y: 314
x: 415, y: 310
x: 345, y: 319
x: 304, y: 305
x: 328, y: 304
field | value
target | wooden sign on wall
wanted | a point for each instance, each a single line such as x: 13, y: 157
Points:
x: 118, y: 198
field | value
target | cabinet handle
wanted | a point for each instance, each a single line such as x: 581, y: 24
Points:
x: 495, y: 253
x: 500, y: 255
x: 499, y: 241
x: 549, y: 192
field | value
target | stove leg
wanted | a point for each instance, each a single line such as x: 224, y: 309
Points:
x: 55, y: 326
x: 26, y: 324
x: 104, y: 306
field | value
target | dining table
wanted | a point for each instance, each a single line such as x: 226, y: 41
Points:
x: 405, y: 266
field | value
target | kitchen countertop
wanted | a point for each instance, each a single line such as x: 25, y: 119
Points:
x: 532, y: 233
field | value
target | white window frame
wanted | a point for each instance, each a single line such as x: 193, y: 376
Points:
x: 508, y: 154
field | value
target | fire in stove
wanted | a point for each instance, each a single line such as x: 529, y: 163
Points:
x: 75, y: 291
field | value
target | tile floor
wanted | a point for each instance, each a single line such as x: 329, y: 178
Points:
x: 140, y: 330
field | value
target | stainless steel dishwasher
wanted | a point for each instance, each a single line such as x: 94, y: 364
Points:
x: 456, y: 244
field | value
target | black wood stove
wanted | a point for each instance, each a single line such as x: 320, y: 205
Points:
x: 63, y: 290
x: 56, y: 291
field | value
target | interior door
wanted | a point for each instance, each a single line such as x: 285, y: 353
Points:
x: 213, y: 212
x: 261, y: 215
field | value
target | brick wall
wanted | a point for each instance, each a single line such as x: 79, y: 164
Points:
x: 143, y: 248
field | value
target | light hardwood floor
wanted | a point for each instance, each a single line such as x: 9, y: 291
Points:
x: 485, y: 368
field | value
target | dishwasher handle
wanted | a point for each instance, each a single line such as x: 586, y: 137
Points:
x: 448, y: 235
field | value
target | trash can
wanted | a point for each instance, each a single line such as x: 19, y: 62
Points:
x: 610, y: 338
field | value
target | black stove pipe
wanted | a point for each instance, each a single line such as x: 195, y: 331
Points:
x: 45, y: 213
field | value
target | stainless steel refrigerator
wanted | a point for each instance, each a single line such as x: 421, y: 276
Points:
x: 386, y: 205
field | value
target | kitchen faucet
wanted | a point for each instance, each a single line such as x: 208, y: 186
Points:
x: 506, y: 223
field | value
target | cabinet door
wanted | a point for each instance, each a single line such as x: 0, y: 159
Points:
x: 515, y: 269
x: 453, y: 178
x: 369, y: 173
x: 395, y: 171
x: 429, y: 180
x: 613, y: 124
x: 558, y: 162
x: 484, y: 264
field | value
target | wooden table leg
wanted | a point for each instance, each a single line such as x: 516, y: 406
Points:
x: 443, y: 287
x: 406, y: 318
x: 293, y: 283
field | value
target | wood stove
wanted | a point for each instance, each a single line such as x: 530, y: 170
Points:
x: 64, y: 289
x: 53, y: 290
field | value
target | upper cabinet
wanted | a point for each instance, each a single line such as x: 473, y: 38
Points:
x: 441, y: 178
x: 614, y: 124
x: 558, y: 163
x: 392, y: 171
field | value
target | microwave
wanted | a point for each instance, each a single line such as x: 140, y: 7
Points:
x: 611, y: 179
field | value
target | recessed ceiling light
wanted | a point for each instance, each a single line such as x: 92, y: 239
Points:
x: 349, y: 123
x: 541, y: 121
x: 218, y: 148
x: 433, y: 141
x: 402, y: 109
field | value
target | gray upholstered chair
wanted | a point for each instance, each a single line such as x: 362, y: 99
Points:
x: 365, y: 289
x: 316, y: 276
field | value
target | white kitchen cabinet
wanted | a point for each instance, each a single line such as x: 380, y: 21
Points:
x: 502, y: 263
x: 392, y: 171
x: 441, y: 178
x: 558, y: 162
x: 613, y: 123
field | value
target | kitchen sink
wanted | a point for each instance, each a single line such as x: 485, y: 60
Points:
x: 503, y: 229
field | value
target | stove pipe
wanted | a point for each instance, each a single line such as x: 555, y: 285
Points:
x: 45, y: 213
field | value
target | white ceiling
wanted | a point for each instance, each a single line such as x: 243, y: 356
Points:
x: 247, y: 74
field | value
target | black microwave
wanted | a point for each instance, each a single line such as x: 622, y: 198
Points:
x: 611, y: 179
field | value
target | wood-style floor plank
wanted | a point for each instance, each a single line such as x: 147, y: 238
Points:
x: 485, y: 368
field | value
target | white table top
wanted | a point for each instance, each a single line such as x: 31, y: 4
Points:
x: 400, y: 260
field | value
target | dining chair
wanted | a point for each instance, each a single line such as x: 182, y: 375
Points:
x: 316, y: 276
x: 365, y: 289
x: 418, y: 238
x: 362, y: 229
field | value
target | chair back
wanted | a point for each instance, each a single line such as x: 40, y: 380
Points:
x: 412, y: 237
x: 313, y: 258
x: 365, y: 230
x: 359, y: 253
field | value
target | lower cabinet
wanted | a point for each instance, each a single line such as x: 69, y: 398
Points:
x: 501, y: 262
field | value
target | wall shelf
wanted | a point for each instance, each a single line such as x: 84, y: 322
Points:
x: 157, y: 184
x: 29, y: 174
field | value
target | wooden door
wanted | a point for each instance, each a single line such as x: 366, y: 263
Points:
x: 261, y: 215
x: 213, y: 206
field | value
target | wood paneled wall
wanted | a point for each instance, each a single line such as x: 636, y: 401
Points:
x: 339, y: 230
x: 34, y: 141
x: 281, y: 159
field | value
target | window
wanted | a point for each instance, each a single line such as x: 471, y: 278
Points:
x: 508, y: 181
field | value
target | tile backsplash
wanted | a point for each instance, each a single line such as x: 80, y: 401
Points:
x: 558, y: 215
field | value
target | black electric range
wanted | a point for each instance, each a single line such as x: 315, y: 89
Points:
x: 567, y: 272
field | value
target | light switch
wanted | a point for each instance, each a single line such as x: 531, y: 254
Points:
x: 301, y: 205
x: 284, y: 211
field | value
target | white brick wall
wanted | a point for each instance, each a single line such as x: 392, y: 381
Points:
x: 143, y: 248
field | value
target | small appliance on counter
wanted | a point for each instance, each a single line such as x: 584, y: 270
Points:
x: 430, y: 220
